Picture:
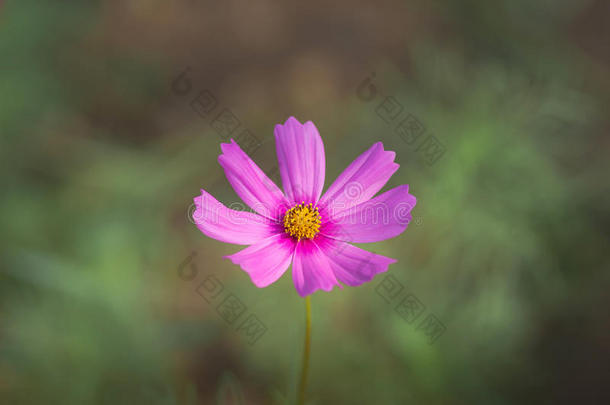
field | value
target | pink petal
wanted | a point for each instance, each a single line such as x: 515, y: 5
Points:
x: 360, y: 181
x: 300, y: 154
x: 353, y: 266
x: 224, y: 224
x: 250, y: 182
x: 266, y: 260
x: 311, y: 270
x: 383, y: 217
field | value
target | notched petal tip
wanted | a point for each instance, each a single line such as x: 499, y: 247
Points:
x: 292, y: 120
x: 389, y: 153
x: 309, y: 124
x: 225, y: 145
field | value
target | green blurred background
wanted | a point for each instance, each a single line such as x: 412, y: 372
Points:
x: 101, y: 159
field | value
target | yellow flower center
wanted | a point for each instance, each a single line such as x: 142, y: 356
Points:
x: 302, y: 221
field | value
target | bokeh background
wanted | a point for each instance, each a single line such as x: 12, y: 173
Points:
x: 101, y: 268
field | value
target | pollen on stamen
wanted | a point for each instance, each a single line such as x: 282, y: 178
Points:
x: 302, y: 221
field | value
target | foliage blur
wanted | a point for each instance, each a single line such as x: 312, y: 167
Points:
x: 102, y: 157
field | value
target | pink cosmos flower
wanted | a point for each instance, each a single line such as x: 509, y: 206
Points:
x: 298, y: 226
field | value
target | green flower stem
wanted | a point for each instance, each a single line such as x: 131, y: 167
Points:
x: 306, y: 350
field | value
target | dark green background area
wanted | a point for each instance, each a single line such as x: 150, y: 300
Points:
x: 101, y: 272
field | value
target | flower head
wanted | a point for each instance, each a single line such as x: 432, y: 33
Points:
x: 300, y: 226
